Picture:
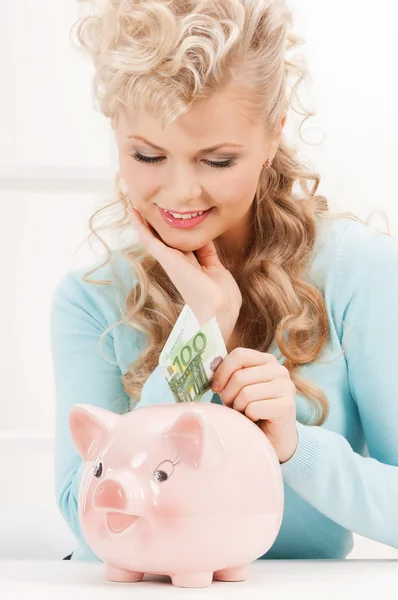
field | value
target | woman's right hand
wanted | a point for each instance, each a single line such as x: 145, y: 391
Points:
x: 204, y: 283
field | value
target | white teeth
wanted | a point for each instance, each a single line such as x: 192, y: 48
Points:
x: 187, y: 216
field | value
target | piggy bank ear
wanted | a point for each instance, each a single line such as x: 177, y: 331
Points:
x: 197, y: 440
x: 89, y: 427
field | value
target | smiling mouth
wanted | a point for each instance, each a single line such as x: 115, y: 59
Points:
x: 184, y: 221
x: 119, y: 522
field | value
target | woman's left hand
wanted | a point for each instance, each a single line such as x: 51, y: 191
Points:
x: 255, y: 384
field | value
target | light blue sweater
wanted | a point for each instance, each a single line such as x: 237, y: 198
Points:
x: 343, y: 477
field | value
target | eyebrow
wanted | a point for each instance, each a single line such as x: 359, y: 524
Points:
x: 211, y: 149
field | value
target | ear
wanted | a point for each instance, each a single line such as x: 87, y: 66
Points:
x: 89, y: 427
x: 197, y: 440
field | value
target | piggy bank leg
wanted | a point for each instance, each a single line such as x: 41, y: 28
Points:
x: 232, y: 573
x: 121, y: 575
x: 192, y: 580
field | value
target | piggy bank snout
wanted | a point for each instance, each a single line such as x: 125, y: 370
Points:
x: 110, y: 495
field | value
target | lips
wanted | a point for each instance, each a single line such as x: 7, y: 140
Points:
x: 187, y: 212
x: 187, y: 223
x: 119, y: 522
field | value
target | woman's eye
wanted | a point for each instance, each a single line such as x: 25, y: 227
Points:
x: 157, y: 159
x: 221, y: 165
x: 147, y: 159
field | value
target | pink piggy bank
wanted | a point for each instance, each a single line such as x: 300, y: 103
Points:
x: 191, y: 491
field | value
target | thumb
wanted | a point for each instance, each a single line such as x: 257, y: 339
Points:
x: 207, y: 256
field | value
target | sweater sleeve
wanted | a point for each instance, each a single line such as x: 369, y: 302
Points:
x: 84, y: 372
x: 360, y: 493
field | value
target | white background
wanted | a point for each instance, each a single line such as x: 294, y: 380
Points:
x: 58, y: 160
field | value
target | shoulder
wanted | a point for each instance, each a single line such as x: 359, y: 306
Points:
x: 346, y: 250
x: 355, y: 266
x: 99, y: 287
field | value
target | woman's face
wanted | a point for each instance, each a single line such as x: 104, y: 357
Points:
x: 176, y: 170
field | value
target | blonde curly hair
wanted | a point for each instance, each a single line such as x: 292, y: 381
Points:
x: 168, y: 54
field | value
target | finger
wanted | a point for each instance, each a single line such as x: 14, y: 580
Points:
x: 146, y: 234
x: 207, y: 256
x: 145, y: 231
x: 182, y: 267
x: 242, y: 378
x: 239, y: 358
x: 268, y: 410
x: 137, y: 219
x: 190, y: 256
x: 270, y: 390
x: 163, y: 253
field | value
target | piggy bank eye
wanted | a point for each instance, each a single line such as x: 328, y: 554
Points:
x: 98, y: 469
x: 160, y: 475
x: 163, y: 471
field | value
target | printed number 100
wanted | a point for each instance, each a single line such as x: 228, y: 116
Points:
x: 199, y: 343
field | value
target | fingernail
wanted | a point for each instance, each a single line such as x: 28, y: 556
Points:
x: 216, y: 386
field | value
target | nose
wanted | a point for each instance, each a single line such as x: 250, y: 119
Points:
x: 183, y: 186
x: 110, y: 495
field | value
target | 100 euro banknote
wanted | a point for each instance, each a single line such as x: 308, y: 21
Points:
x: 191, y: 355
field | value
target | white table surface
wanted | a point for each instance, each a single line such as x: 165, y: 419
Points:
x: 269, y: 580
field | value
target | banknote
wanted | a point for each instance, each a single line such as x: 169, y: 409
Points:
x: 191, y: 355
x: 185, y: 327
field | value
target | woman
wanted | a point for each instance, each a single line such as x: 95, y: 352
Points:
x: 197, y: 94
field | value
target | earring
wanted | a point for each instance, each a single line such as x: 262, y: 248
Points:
x: 268, y: 163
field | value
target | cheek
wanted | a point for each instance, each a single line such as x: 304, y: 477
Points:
x: 140, y: 180
x: 141, y: 185
x: 238, y: 193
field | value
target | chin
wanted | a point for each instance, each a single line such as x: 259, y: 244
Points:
x: 188, y: 245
